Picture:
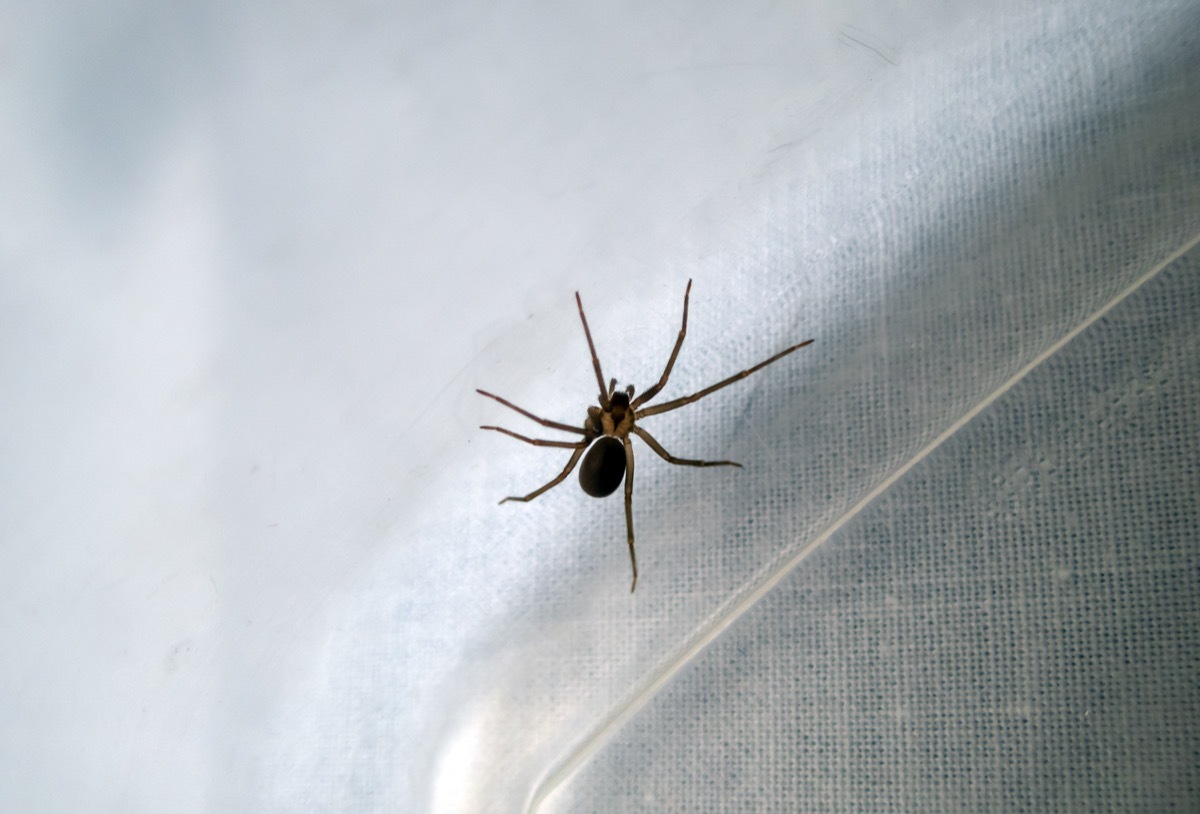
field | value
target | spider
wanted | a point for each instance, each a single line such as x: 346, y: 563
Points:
x: 607, y: 427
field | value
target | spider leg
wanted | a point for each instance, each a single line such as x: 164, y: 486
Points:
x: 671, y: 459
x: 566, y: 471
x: 538, y: 442
x: 545, y: 422
x: 604, y: 400
x: 629, y: 508
x: 671, y: 405
x: 653, y: 391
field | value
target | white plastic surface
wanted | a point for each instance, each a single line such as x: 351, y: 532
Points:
x: 256, y: 259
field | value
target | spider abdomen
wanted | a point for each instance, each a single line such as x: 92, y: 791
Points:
x: 603, y: 467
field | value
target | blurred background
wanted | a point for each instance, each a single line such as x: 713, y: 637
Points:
x: 255, y: 259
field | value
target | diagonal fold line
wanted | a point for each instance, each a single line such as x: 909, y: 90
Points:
x: 765, y: 581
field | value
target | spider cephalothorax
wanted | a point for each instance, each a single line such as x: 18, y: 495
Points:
x: 606, y: 430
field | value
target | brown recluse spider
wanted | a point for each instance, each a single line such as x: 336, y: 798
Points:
x: 610, y: 459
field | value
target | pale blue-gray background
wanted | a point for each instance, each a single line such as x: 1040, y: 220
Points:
x: 255, y: 258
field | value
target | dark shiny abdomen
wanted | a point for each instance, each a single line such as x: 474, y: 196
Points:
x: 603, y: 467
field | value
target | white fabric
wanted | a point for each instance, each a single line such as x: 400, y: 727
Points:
x: 256, y: 260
